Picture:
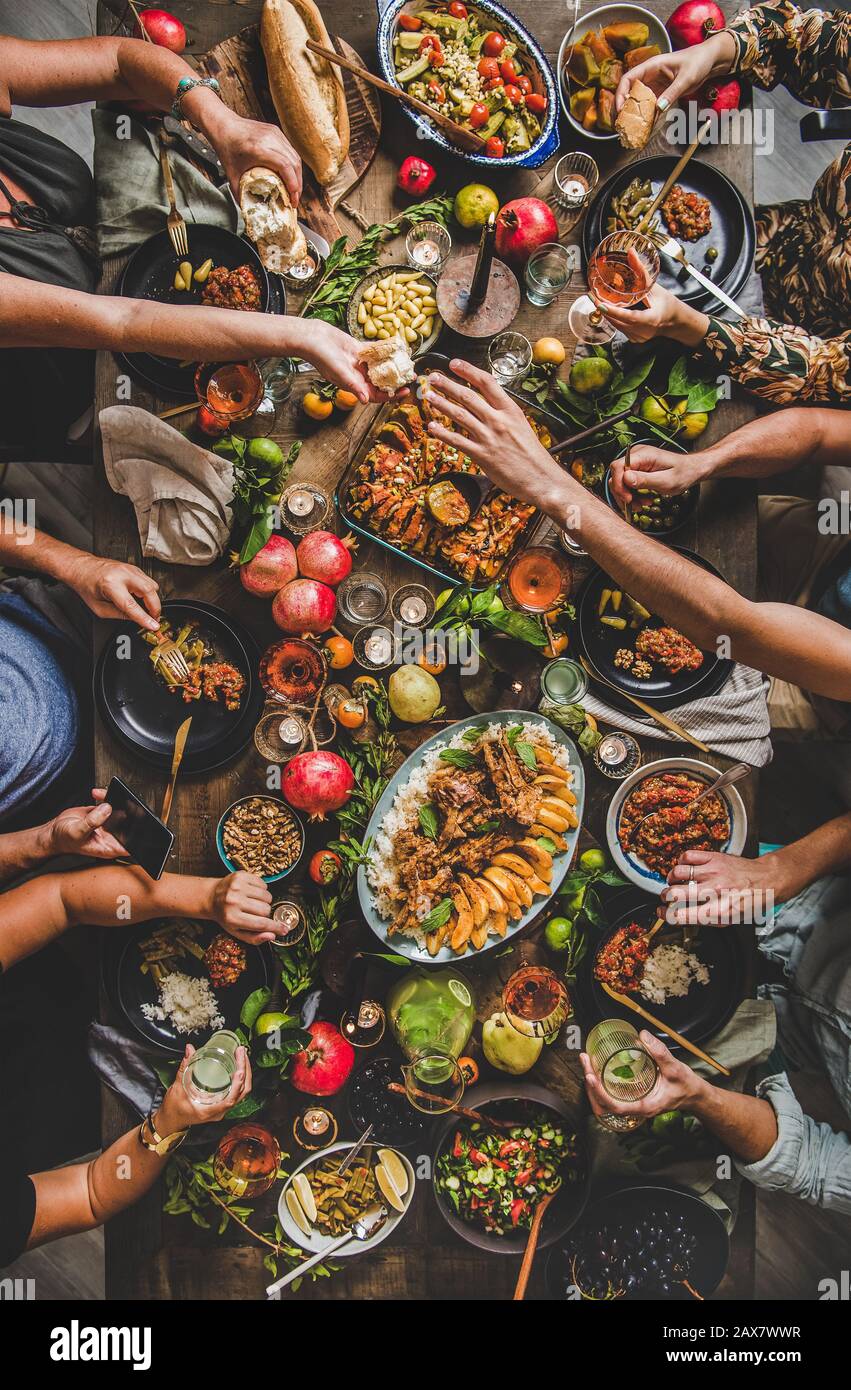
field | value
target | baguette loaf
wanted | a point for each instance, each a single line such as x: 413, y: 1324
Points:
x: 307, y: 91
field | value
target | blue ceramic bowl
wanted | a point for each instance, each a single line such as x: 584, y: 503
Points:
x: 223, y: 855
x: 548, y: 141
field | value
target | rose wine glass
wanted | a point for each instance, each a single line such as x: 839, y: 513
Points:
x: 623, y: 268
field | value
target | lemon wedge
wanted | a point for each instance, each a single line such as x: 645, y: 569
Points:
x: 388, y: 1188
x: 304, y: 1192
x: 295, y: 1210
x: 395, y: 1169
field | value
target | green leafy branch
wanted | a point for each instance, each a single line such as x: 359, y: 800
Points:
x: 257, y: 487
x: 460, y: 609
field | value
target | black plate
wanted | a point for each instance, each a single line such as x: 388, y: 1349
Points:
x: 149, y: 274
x: 138, y: 709
x: 702, y: 1012
x: 632, y: 1203
x: 569, y: 1203
x: 132, y: 989
x: 732, y: 232
x: 599, y: 644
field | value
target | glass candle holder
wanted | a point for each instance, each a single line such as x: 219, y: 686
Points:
x: 549, y: 271
x: 289, y: 916
x: 625, y: 1069
x: 509, y: 357
x: 412, y: 605
x: 574, y: 180
x: 374, y: 648
x: 304, y: 507
x: 278, y: 737
x: 315, y: 1128
x: 617, y: 755
x: 210, y: 1071
x: 427, y: 247
x: 536, y: 1002
x: 362, y: 597
x: 247, y: 1160
x: 365, y: 1025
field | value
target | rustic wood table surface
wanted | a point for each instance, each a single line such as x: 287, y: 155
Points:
x: 152, y: 1256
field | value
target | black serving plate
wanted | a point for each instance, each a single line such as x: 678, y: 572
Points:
x: 149, y: 274
x: 505, y: 1100
x: 732, y: 233
x: 631, y: 1204
x: 702, y: 1012
x: 138, y: 709
x: 599, y: 643
x: 130, y: 988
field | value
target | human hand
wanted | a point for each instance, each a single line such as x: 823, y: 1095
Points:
x: 242, y: 144
x: 180, y: 1111
x: 664, y: 316
x: 677, y: 1086
x: 710, y: 889
x: 335, y: 355
x: 659, y: 469
x: 497, y: 436
x: 242, y: 904
x: 79, y: 830
x: 675, y: 75
x: 111, y: 589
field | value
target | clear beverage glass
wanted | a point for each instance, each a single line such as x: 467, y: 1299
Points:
x: 278, y: 379
x: 210, y: 1071
x: 574, y: 180
x: 509, y: 357
x: 434, y: 1082
x: 536, y: 1002
x: 549, y: 270
x: 626, y: 1070
x: 362, y: 597
x: 623, y: 268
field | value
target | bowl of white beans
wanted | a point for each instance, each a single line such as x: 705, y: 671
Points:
x: 396, y: 301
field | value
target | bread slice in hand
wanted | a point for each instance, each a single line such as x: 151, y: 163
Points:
x: 271, y: 221
x: 307, y: 91
x: 634, y: 125
x: 388, y: 363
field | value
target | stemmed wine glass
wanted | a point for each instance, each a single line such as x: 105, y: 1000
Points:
x: 623, y: 268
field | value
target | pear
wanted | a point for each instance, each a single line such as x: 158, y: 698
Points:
x: 506, y: 1049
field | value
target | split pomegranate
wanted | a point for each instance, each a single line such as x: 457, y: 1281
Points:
x: 271, y: 568
x: 521, y: 227
x: 304, y: 605
x: 317, y: 782
x: 322, y: 555
x: 694, y: 21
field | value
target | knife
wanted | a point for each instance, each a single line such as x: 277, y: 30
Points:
x: 200, y: 148
x: 675, y: 252
x: 177, y: 758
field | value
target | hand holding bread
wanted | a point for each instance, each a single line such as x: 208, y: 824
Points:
x: 306, y: 90
x: 634, y: 124
x: 271, y: 221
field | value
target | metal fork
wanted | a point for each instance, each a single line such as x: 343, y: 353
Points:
x: 175, y: 223
x: 173, y: 660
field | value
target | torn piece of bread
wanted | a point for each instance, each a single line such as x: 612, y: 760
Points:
x: 634, y: 125
x: 389, y: 364
x: 271, y: 221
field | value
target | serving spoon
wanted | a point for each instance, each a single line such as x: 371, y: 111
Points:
x: 364, y: 1228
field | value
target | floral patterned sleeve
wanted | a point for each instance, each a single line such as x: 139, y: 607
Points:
x: 807, y: 51
x: 780, y: 363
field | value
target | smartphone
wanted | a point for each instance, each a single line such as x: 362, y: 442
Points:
x: 147, y: 840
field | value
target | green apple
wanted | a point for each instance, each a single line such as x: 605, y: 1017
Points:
x: 506, y: 1049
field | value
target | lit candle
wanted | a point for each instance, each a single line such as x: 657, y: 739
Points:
x: 617, y: 754
x: 316, y: 1121
x: 288, y: 915
x: 302, y: 270
x: 413, y: 609
x: 300, y: 502
x: 378, y: 647
x: 574, y: 190
x: 291, y: 731
x: 426, y: 253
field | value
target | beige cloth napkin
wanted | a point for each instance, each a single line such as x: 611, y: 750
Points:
x: 181, y: 493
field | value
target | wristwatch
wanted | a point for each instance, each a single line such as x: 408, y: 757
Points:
x: 154, y: 1142
x: 185, y: 86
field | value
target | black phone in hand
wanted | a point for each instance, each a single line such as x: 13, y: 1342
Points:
x: 146, y: 838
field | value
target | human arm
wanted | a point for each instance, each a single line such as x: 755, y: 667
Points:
x: 77, y: 830
x: 61, y: 72
x: 84, y: 1195
x: 37, y: 315
x: 761, y: 448
x: 110, y: 588
x: 791, y: 643
x: 39, y: 911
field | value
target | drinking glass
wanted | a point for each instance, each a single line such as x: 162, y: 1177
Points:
x: 210, y: 1071
x: 362, y: 597
x: 509, y: 357
x: 623, y: 268
x: 247, y: 1160
x: 434, y: 1082
x: 549, y: 270
x: 235, y: 393
x: 278, y: 378
x: 626, y: 1070
x: 575, y: 178
x: 539, y: 578
x: 427, y: 247
x: 536, y: 1002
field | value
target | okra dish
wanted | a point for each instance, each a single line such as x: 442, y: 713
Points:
x: 456, y: 61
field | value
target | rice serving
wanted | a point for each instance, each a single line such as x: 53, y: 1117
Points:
x: 670, y: 972
x: 188, y: 1003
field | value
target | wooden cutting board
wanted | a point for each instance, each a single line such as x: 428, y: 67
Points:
x: 240, y: 69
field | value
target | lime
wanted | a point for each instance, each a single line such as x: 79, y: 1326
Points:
x: 265, y: 451
x: 269, y: 1023
x: 461, y: 992
x: 558, y: 933
x: 592, y: 860
x: 654, y: 412
x: 590, y: 375
x: 224, y: 448
x: 474, y: 204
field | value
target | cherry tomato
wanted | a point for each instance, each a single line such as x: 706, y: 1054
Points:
x: 488, y: 68
x: 493, y: 45
x: 524, y: 84
x: 493, y: 84
x: 429, y: 41
x: 436, y: 92
x: 514, y: 94
x: 437, y: 58
x: 536, y: 103
x: 495, y: 148
x: 479, y: 115
x: 508, y: 70
x: 411, y: 22
x: 457, y: 10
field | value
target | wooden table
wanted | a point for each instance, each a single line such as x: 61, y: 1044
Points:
x: 147, y: 1255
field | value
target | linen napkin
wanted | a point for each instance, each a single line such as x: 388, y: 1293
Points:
x: 734, y: 721
x: 181, y: 493
x: 129, y: 191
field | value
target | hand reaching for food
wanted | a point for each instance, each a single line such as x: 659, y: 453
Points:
x: 242, y: 904
x: 112, y: 589
x: 243, y: 144
x: 659, y: 469
x: 675, y: 75
x: 337, y: 356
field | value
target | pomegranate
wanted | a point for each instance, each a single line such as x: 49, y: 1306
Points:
x: 208, y: 422
x: 304, y: 605
x: 326, y: 1063
x: 521, y: 227
x: 718, y: 96
x: 693, y: 22
x: 322, y: 555
x: 271, y: 568
x: 317, y: 782
x: 163, y: 29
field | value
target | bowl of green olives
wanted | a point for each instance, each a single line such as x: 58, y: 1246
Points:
x: 655, y: 513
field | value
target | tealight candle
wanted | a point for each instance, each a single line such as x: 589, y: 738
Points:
x: 300, y: 502
x: 617, y: 754
x: 377, y: 647
x: 291, y: 731
x: 413, y: 609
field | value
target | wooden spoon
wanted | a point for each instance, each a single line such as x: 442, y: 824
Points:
x: 531, y: 1247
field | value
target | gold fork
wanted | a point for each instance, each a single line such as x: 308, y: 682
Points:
x: 173, y: 660
x: 175, y: 223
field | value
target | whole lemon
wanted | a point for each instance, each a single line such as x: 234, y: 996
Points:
x: 474, y: 204
x: 549, y: 350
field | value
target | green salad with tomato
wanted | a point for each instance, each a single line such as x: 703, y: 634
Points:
x: 463, y: 67
x: 495, y: 1178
